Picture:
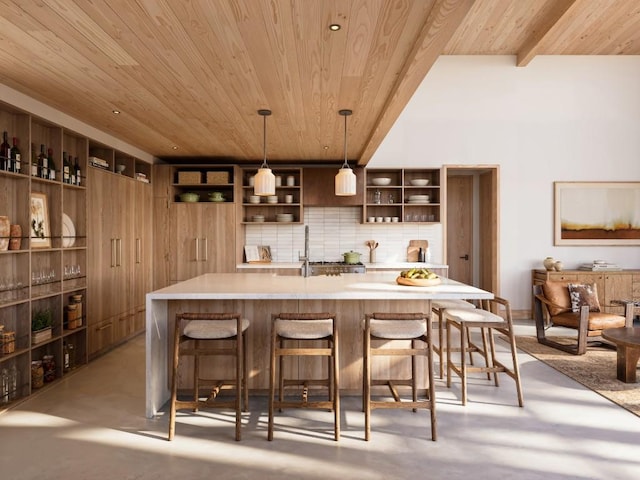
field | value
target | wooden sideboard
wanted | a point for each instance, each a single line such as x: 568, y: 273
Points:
x: 618, y: 285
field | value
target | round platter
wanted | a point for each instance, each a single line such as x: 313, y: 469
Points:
x: 418, y: 282
x: 68, y: 231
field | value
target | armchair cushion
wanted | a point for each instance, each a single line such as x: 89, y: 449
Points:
x: 557, y: 293
x: 583, y: 294
x: 597, y: 321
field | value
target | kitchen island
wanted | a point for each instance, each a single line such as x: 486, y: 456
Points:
x: 257, y: 295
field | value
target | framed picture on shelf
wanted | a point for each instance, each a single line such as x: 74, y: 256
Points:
x: 40, y: 230
x: 597, y: 213
x: 257, y: 253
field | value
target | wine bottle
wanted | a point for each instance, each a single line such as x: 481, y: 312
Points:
x: 5, y: 154
x: 51, y: 164
x: 34, y: 161
x: 78, y: 172
x: 43, y: 163
x: 72, y: 173
x: 16, y: 160
x: 66, y: 176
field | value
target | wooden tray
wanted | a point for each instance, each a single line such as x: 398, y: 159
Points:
x: 418, y: 282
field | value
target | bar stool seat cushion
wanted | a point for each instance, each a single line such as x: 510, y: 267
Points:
x: 452, y: 304
x: 304, y: 329
x: 210, y: 330
x: 476, y: 315
x: 397, y: 329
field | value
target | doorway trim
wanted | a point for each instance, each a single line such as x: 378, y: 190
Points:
x: 487, y: 215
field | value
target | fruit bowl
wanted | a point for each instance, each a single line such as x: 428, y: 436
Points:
x: 418, y: 282
x: 420, y: 182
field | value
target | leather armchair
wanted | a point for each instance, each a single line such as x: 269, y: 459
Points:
x: 554, y: 309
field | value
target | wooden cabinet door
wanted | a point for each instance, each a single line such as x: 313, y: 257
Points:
x: 101, y: 336
x: 142, y: 226
x: 202, y: 239
x: 185, y: 241
x: 618, y: 286
x: 217, y: 228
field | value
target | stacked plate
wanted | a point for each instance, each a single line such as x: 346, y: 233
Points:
x: 418, y: 199
x: 272, y: 199
x: 284, y: 217
x: 257, y: 218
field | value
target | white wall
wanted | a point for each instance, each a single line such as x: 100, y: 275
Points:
x: 564, y: 118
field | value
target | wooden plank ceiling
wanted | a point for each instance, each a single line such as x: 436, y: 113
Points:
x: 192, y: 74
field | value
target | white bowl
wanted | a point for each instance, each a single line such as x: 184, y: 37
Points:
x: 272, y: 199
x: 254, y: 199
x: 420, y: 182
x: 258, y: 218
x: 381, y: 181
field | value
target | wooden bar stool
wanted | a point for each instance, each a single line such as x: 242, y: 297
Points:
x: 412, y: 327
x: 438, y: 307
x: 305, y: 329
x: 196, y: 338
x: 487, y: 322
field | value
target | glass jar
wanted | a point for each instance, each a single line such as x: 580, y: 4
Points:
x: 49, y: 367
x: 377, y: 197
x: 37, y: 374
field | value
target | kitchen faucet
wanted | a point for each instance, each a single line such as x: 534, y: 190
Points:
x: 307, y: 271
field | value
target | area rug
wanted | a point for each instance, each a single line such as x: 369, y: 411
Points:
x: 595, y: 370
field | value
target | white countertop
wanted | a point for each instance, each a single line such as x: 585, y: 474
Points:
x: 271, y: 286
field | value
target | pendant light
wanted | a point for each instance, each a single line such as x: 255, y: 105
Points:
x: 265, y: 180
x: 345, y: 183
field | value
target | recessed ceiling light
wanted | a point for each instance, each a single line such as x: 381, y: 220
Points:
x: 175, y: 147
x: 334, y: 27
x: 326, y: 147
x: 115, y: 112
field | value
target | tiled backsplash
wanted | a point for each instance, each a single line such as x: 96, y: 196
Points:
x: 335, y: 230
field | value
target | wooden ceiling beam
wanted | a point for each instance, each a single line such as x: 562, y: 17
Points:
x: 557, y: 18
x: 442, y: 23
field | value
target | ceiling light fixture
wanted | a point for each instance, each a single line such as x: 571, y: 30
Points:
x: 265, y: 180
x: 115, y: 112
x: 345, y: 183
x: 334, y: 27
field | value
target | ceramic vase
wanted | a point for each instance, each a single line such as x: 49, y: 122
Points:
x: 16, y: 237
x: 372, y: 256
x: 558, y: 266
x: 549, y: 263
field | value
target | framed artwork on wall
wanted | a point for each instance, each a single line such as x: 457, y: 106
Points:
x: 597, y: 213
x: 40, y: 230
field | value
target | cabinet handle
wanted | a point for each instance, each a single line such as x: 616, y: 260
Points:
x: 138, y: 250
x: 206, y: 250
x: 197, y: 249
x: 108, y: 325
x: 113, y: 252
x: 119, y: 262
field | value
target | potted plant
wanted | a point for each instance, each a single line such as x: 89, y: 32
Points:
x: 41, y: 324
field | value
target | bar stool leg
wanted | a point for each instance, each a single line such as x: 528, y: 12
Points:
x: 174, y: 385
x: 272, y: 382
x: 336, y: 383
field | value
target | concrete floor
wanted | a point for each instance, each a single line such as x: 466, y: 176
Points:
x: 92, y: 426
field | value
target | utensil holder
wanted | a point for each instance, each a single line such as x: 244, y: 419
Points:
x: 372, y: 256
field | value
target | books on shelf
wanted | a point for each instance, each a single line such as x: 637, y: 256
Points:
x: 600, y: 267
x: 98, y: 162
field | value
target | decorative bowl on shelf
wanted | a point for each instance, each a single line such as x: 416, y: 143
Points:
x: 189, y: 197
x: 381, y: 181
x: 120, y: 168
x: 420, y: 182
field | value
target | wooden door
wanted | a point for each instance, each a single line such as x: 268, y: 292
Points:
x: 460, y: 228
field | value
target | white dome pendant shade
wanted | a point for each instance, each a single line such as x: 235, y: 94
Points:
x: 345, y: 182
x: 265, y: 180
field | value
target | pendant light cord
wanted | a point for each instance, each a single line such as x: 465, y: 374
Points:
x: 265, y: 114
x: 345, y: 114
